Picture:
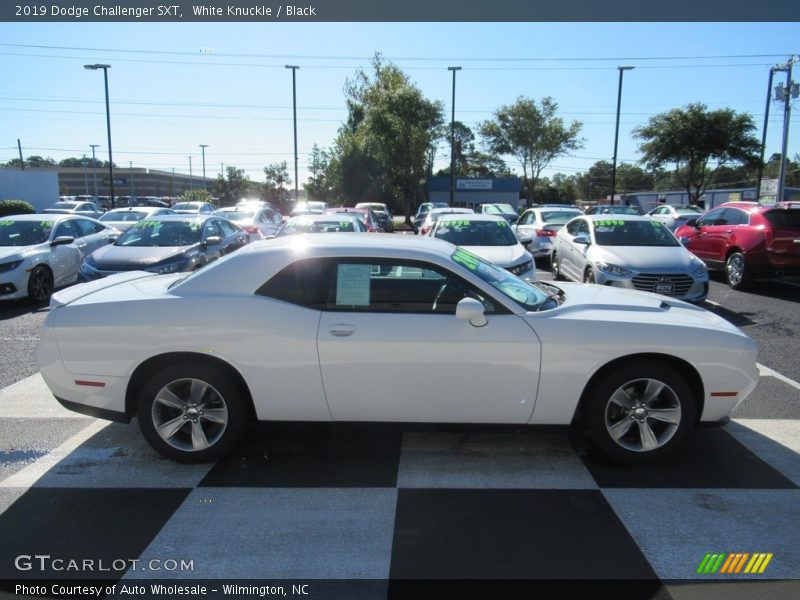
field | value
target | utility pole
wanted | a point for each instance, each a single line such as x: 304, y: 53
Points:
x: 85, y: 177
x: 772, y: 72
x: 191, y: 179
x: 453, y: 137
x: 787, y: 113
x: 203, y: 148
x: 616, y: 133
x: 94, y: 169
x: 21, y: 160
x: 133, y: 195
x: 294, y: 113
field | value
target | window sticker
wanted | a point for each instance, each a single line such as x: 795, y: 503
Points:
x: 352, y: 285
x: 610, y: 223
x: 6, y: 223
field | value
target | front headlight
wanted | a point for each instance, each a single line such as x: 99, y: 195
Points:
x: 520, y: 268
x: 699, y: 271
x: 613, y: 269
x: 9, y: 266
x: 86, y: 268
x: 173, y: 267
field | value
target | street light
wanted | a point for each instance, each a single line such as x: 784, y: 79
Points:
x: 94, y: 169
x: 453, y: 137
x: 203, y: 148
x: 108, y: 126
x: 616, y: 134
x: 294, y: 113
x: 191, y: 178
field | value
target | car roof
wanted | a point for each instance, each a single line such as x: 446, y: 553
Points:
x: 451, y: 210
x: 470, y: 217
x: 617, y: 217
x: 44, y: 217
x: 328, y: 216
x: 189, y: 217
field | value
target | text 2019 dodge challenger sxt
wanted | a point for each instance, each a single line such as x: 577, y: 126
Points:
x: 333, y: 328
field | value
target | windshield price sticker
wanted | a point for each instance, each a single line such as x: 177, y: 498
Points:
x: 6, y: 223
x: 610, y: 223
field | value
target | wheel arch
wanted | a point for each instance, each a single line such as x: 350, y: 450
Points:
x: 155, y: 363
x: 683, y: 367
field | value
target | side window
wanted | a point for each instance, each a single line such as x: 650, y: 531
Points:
x: 228, y: 228
x: 583, y: 228
x: 211, y: 228
x: 712, y: 218
x: 573, y: 226
x: 527, y: 219
x: 305, y: 282
x: 66, y: 228
x: 734, y: 216
x: 86, y: 227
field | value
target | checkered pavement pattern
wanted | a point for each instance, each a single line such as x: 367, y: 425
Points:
x: 412, y: 511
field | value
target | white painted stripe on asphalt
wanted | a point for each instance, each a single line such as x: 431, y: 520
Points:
x: 767, y: 372
x: 28, y: 476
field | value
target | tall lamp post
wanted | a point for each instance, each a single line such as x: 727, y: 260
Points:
x: 616, y: 133
x: 294, y: 113
x: 94, y: 169
x: 453, y: 137
x: 108, y: 126
x: 203, y: 148
x: 191, y: 177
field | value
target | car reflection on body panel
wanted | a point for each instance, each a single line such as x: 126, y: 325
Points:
x: 282, y: 329
x: 628, y: 251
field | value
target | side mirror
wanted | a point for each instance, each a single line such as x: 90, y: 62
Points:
x: 112, y: 239
x: 581, y: 239
x: 62, y: 240
x: 213, y: 240
x: 469, y: 309
x: 692, y: 222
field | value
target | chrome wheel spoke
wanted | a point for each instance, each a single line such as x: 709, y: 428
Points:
x: 215, y: 415
x: 167, y: 398
x: 647, y: 437
x: 667, y: 415
x: 622, y: 399
x: 652, y: 391
x: 169, y: 428
x: 197, y: 391
x: 620, y: 428
x: 199, y: 440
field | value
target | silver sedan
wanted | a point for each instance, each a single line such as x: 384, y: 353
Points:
x: 628, y: 251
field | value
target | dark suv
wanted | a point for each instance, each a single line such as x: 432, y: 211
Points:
x: 747, y: 240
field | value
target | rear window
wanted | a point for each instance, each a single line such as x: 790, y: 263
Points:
x: 783, y: 217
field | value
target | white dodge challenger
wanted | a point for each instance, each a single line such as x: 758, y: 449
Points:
x: 382, y: 327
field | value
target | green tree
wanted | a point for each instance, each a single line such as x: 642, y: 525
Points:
x: 195, y: 195
x: 532, y: 134
x: 318, y: 186
x: 390, y: 131
x: 632, y: 178
x: 277, y: 176
x: 233, y: 187
x: 697, y: 142
x: 469, y: 161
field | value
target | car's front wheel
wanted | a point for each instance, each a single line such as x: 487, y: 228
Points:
x: 736, y: 272
x: 192, y: 413
x: 640, y: 412
x: 40, y: 284
x: 588, y: 276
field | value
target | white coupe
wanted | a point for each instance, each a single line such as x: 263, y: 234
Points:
x: 307, y: 327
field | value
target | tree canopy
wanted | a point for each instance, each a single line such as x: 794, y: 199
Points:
x: 697, y: 142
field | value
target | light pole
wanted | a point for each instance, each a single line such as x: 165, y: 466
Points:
x: 94, y: 169
x: 203, y: 148
x: 294, y: 113
x: 85, y: 177
x: 616, y: 134
x: 132, y: 190
x: 191, y: 179
x: 108, y: 126
x: 453, y: 137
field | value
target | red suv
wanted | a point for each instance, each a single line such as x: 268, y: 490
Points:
x: 747, y: 240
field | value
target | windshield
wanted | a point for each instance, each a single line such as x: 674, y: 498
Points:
x: 123, y: 216
x: 521, y: 292
x: 161, y: 233
x: 559, y: 217
x: 688, y: 210
x: 301, y: 225
x: 619, y: 232
x: 475, y: 233
x: 24, y: 233
x: 499, y: 209
x: 237, y: 215
x: 64, y: 205
x: 186, y: 206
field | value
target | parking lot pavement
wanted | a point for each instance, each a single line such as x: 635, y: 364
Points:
x: 389, y: 508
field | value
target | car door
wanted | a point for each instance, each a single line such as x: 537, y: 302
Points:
x: 662, y: 214
x: 233, y: 237
x: 572, y: 255
x: 91, y: 236
x: 720, y: 237
x: 392, y: 349
x: 524, y: 227
x: 699, y: 236
x: 65, y: 259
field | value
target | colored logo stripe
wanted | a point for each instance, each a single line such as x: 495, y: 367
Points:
x: 734, y: 562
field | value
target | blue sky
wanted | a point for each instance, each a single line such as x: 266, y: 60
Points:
x: 174, y: 86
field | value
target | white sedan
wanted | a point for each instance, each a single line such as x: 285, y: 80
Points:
x: 307, y: 327
x: 41, y: 252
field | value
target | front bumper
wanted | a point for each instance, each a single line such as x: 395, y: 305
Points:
x: 681, y: 286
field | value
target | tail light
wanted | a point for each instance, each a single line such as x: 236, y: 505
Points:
x: 545, y: 233
x: 424, y: 230
x: 251, y: 229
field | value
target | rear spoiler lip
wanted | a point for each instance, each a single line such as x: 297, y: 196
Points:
x: 81, y: 290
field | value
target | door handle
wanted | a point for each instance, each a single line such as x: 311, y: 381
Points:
x: 341, y: 330
x: 729, y: 231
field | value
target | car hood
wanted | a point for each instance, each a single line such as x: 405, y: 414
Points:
x: 645, y: 258
x: 502, y: 256
x: 614, y: 304
x: 134, y: 256
x: 9, y: 253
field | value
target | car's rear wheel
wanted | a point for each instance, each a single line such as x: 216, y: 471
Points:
x: 555, y: 267
x: 737, y: 273
x: 40, y: 284
x: 640, y: 412
x: 192, y: 413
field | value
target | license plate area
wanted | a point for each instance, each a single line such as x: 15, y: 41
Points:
x: 664, y: 288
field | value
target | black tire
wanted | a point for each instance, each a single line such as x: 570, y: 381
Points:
x: 214, y: 391
x: 619, y: 415
x: 555, y: 268
x: 588, y: 276
x: 40, y: 285
x: 737, y: 273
